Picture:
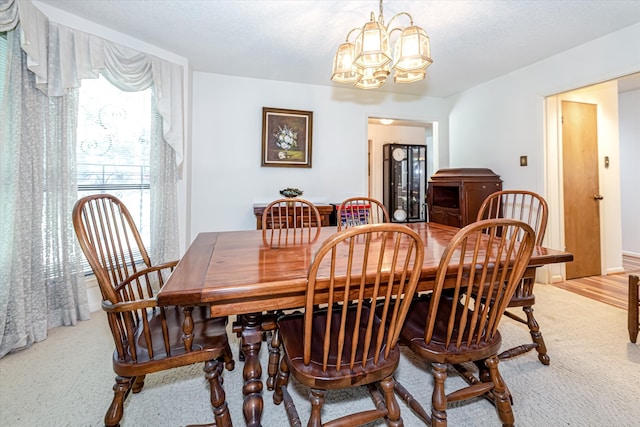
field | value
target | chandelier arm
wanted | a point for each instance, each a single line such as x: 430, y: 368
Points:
x: 391, y: 32
x: 351, y: 32
x: 397, y: 15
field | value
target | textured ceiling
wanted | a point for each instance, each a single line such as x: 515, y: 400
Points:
x: 472, y: 41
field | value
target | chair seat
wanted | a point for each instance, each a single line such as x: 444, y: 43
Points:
x: 335, y: 376
x: 209, y: 334
x: 436, y: 350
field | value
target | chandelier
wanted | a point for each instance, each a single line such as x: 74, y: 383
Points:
x: 367, y: 63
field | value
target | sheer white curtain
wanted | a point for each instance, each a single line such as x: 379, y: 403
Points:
x: 40, y: 286
x: 163, y: 196
x: 40, y: 279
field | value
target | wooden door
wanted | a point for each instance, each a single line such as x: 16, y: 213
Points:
x: 581, y: 189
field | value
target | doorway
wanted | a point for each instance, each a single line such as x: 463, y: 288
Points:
x: 400, y: 131
x: 605, y: 97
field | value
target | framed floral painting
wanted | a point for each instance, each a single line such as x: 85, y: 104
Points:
x: 286, y: 137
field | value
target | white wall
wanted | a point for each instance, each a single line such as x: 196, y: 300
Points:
x: 629, y: 116
x: 493, y: 124
x: 226, y: 176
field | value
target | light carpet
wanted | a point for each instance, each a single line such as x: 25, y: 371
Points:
x: 593, y: 379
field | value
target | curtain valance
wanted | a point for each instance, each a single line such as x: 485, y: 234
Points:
x: 61, y: 57
x: 8, y: 15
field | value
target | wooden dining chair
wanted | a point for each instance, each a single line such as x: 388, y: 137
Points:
x: 286, y: 222
x: 290, y: 221
x: 532, y: 209
x: 361, y: 210
x: 148, y: 338
x: 448, y: 327
x: 634, y: 302
x: 352, y: 340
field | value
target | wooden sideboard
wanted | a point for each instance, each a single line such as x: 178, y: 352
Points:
x: 327, y: 213
x: 455, y: 195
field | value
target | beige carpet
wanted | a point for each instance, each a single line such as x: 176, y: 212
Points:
x: 593, y: 379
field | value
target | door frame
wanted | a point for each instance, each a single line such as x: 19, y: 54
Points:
x: 603, y: 95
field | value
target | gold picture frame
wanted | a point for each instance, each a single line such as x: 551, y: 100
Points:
x: 286, y: 137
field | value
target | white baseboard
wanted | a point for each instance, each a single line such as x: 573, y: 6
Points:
x: 557, y: 279
x: 631, y: 254
x: 95, y: 299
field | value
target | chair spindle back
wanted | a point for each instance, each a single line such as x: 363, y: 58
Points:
x: 290, y: 221
x: 360, y: 211
x: 114, y: 249
x: 381, y: 278
x: 464, y: 267
x: 521, y: 205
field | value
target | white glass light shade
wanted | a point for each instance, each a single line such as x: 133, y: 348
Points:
x: 369, y: 80
x: 343, y: 69
x: 412, y: 51
x: 381, y: 73
x: 408, y: 76
x: 372, y: 46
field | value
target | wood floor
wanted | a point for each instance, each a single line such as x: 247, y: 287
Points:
x: 611, y: 289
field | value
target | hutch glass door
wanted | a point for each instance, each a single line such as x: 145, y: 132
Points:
x: 405, y: 182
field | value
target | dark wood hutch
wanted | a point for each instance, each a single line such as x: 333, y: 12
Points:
x: 455, y: 195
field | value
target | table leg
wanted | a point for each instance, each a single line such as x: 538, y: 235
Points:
x: 274, y: 359
x: 251, y: 340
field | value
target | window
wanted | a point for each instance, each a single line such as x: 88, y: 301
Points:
x: 113, y: 147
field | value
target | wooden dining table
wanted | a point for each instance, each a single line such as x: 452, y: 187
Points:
x: 245, y: 274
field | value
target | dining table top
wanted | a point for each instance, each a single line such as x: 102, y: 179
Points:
x: 239, y: 272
